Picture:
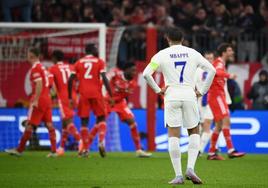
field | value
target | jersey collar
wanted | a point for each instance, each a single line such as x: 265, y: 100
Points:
x: 35, y: 63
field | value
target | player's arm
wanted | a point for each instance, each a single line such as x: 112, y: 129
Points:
x: 147, y: 74
x: 205, y: 65
x: 38, y: 89
x: 106, y: 83
x: 220, y: 71
x: 70, y: 85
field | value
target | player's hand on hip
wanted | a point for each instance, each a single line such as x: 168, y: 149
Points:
x: 71, y: 103
x: 111, y: 102
x: 163, y: 91
x: 35, y: 103
x: 198, y: 94
x: 233, y: 76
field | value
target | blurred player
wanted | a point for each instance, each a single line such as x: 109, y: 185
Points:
x: 122, y: 84
x: 40, y: 104
x: 178, y: 65
x: 61, y: 72
x: 218, y: 104
x: 206, y: 116
x: 89, y: 70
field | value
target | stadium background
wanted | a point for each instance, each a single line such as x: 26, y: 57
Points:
x: 134, y: 33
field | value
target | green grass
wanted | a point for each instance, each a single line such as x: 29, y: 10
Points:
x: 33, y: 169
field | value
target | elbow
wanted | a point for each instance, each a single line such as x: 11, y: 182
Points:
x: 145, y: 75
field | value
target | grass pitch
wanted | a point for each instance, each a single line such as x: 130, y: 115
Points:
x: 33, y: 169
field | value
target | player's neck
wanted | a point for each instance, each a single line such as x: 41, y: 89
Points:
x: 174, y: 43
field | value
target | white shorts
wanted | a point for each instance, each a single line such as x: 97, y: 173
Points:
x: 204, y: 111
x: 181, y: 113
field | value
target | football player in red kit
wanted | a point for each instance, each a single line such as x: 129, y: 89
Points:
x: 61, y: 72
x: 122, y: 84
x: 89, y: 71
x: 218, y: 105
x: 40, y: 105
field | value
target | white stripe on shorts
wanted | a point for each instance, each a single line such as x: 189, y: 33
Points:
x: 222, y: 106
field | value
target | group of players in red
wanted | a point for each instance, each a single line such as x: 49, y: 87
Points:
x: 90, y: 73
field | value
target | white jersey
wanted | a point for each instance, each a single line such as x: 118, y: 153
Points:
x: 178, y: 65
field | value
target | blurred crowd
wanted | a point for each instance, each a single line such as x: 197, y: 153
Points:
x: 212, y: 19
x: 214, y: 16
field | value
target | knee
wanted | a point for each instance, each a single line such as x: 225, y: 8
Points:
x: 100, y: 119
x: 84, y: 122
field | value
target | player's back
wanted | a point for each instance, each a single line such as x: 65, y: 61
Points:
x: 61, y: 73
x: 179, y: 65
x: 88, y: 70
x: 39, y: 72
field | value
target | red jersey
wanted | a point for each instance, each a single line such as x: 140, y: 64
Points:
x: 218, y: 83
x: 88, y: 70
x: 120, y: 86
x: 39, y: 72
x: 61, y: 73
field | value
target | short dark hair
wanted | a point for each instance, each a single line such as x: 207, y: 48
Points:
x: 34, y: 51
x: 263, y: 72
x: 128, y: 65
x: 58, y: 55
x: 91, y: 49
x: 222, y: 48
x: 209, y: 52
x: 174, y: 34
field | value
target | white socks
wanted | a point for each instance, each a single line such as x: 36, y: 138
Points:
x: 205, y: 137
x: 175, y: 154
x: 193, y: 149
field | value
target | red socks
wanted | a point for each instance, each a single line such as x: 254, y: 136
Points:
x: 64, y: 137
x: 73, y: 131
x: 84, y: 135
x: 52, y: 138
x: 102, y: 131
x: 213, y: 142
x: 25, y: 137
x: 92, y: 134
x: 227, y: 136
x: 135, y: 136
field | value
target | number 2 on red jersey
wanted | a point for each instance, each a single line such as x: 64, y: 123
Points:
x: 88, y: 67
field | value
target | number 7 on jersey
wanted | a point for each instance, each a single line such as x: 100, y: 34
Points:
x: 180, y: 63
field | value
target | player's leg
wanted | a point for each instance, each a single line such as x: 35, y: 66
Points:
x: 206, y: 134
x: 100, y: 111
x: 47, y: 118
x: 34, y: 119
x: 232, y: 153
x: 83, y: 113
x: 219, y: 111
x: 191, y: 122
x: 64, y: 137
x: 136, y: 138
x: 173, y: 121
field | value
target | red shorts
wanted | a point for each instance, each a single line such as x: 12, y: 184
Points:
x: 122, y: 109
x: 36, y: 115
x: 65, y: 110
x: 85, y: 105
x: 218, y: 106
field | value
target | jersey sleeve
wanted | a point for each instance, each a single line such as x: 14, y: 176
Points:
x: 102, y: 66
x: 155, y: 62
x: 206, y: 66
x: 36, y: 74
x: 149, y: 70
x: 220, y: 70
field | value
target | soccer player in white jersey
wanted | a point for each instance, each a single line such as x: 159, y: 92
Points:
x: 178, y: 65
x: 206, y: 115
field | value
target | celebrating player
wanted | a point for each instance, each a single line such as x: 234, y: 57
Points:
x: 89, y: 70
x: 61, y: 72
x: 218, y: 105
x: 122, y: 84
x: 40, y: 105
x: 178, y: 64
